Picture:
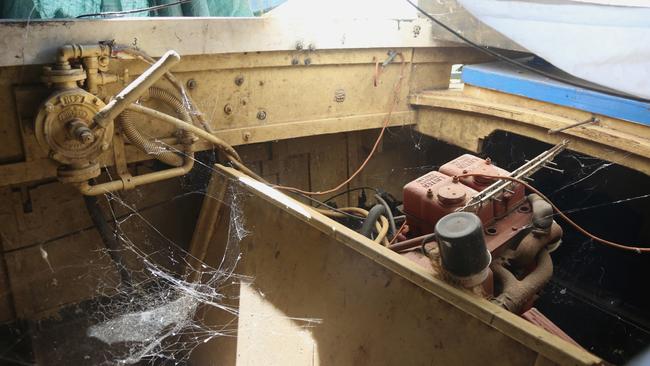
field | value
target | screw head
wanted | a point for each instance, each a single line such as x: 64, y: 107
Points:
x: 295, y: 61
x: 307, y: 61
x: 339, y: 95
x: 239, y: 80
x: 261, y: 115
x: 246, y: 136
x: 191, y: 84
x: 227, y: 109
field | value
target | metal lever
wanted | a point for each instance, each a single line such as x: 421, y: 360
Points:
x: 135, y: 89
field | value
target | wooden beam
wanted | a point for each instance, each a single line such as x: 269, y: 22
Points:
x: 464, y: 119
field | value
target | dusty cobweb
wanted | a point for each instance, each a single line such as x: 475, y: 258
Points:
x: 157, y: 314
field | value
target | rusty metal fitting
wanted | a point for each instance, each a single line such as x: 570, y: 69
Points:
x: 71, y: 174
x: 79, y: 130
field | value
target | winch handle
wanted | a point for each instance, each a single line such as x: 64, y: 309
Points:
x: 135, y: 89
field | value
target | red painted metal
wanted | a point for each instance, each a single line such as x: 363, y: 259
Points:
x: 434, y: 195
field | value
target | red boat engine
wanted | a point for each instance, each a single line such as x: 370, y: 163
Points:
x: 508, y: 237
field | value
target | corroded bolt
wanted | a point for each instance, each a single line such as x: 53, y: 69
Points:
x: 239, y: 80
x: 86, y: 137
x: 79, y: 130
x: 191, y: 84
x: 227, y: 109
x: 261, y: 115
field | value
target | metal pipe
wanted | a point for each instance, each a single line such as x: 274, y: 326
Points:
x: 412, y: 243
x: 516, y: 293
x: 70, y: 51
x: 131, y: 182
x: 532, y: 244
x: 135, y: 89
x: 542, y: 212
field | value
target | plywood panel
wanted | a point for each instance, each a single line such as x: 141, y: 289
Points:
x: 367, y: 304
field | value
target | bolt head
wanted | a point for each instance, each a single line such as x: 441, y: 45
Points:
x: 299, y: 45
x: 307, y: 61
x: 191, y: 84
x: 239, y: 80
x: 261, y: 115
x: 295, y: 61
x: 246, y: 136
x: 227, y: 109
x: 87, y: 138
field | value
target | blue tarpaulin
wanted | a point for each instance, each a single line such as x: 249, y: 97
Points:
x: 58, y: 9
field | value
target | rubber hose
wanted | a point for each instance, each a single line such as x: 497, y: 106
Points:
x: 150, y: 147
x: 389, y: 214
x: 373, y: 215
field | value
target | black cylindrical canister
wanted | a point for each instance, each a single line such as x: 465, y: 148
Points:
x: 463, y: 253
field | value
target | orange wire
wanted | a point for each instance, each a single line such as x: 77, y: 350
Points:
x: 563, y: 215
x: 396, y: 90
x: 399, y: 231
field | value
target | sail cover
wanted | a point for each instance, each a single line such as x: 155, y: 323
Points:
x: 594, y: 40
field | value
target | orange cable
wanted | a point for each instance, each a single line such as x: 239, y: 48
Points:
x: 563, y: 215
x: 396, y: 90
x: 399, y: 231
